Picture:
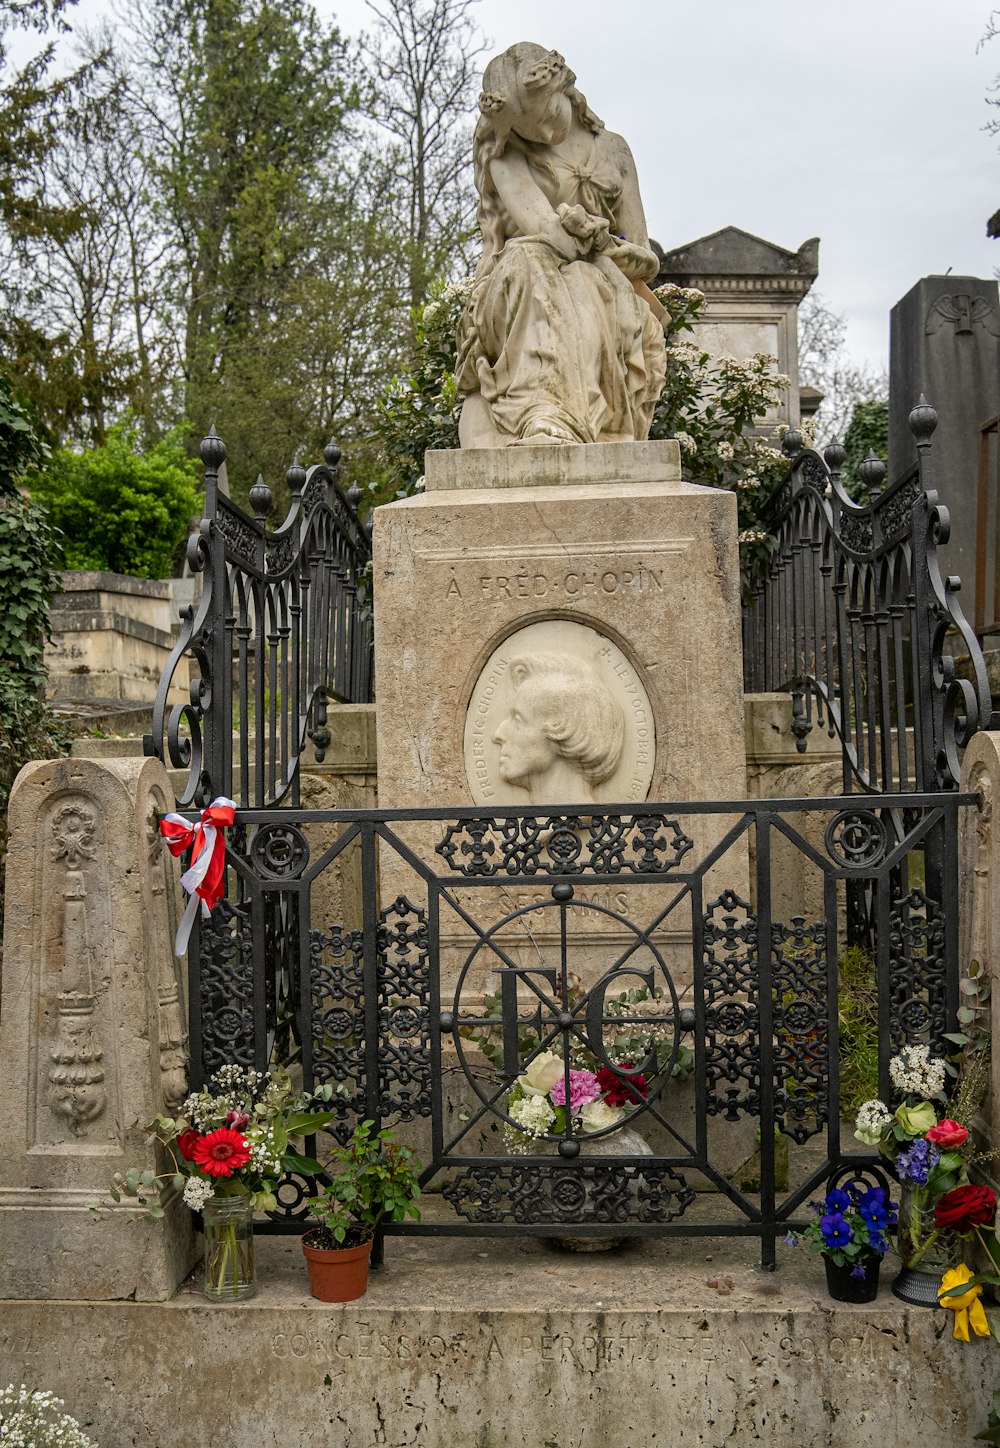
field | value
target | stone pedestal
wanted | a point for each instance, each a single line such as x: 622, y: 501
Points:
x: 614, y: 566
x: 92, y: 1031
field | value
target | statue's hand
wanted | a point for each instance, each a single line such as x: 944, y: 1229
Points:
x: 637, y: 262
x: 583, y: 225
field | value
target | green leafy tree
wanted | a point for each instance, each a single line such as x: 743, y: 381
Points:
x: 423, y: 60
x: 868, y: 431
x: 120, y: 508
x: 280, y: 272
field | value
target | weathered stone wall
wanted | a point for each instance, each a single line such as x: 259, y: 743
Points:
x: 475, y: 1343
x: 979, y: 897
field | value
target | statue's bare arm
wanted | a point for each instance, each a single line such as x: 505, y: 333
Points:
x: 529, y: 209
x: 634, y: 256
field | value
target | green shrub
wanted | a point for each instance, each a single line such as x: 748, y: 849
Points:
x: 120, y: 508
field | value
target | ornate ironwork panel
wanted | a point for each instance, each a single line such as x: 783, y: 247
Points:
x: 283, y: 626
x: 578, y: 1043
x: 855, y: 620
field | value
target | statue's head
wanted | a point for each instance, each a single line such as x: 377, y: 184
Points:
x: 560, y: 711
x: 531, y: 91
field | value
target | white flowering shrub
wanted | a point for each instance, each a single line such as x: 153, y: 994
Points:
x: 915, y: 1072
x: 712, y: 405
x: 33, y: 1419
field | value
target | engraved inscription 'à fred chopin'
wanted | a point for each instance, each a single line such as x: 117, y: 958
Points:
x: 559, y: 715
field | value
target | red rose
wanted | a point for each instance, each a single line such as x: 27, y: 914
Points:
x: 963, y: 1208
x: 221, y: 1152
x: 185, y: 1143
x: 948, y: 1134
x: 622, y: 1090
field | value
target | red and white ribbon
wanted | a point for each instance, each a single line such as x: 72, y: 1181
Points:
x: 203, y: 881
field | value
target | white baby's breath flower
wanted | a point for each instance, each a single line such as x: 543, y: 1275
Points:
x: 197, y: 1191
x: 532, y: 1114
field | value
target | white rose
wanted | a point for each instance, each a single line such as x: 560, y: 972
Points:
x: 541, y: 1075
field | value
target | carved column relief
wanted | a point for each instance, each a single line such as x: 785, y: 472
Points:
x: 76, y: 1073
x: 172, y: 1034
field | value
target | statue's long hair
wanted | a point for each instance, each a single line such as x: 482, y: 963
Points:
x: 523, y: 68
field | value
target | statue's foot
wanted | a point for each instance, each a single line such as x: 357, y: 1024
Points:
x: 543, y: 431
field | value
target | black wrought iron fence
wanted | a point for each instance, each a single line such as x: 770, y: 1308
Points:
x: 282, y: 627
x: 855, y: 620
x: 685, y: 957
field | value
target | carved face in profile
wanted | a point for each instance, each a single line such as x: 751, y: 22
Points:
x: 564, y: 733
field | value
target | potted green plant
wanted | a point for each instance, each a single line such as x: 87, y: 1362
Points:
x: 374, y: 1180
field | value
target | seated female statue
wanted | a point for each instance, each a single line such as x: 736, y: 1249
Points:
x: 559, y: 342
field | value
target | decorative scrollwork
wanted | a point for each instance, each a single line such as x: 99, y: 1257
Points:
x: 240, y: 534
x: 532, y: 1193
x: 404, y: 1012
x: 566, y: 845
x: 813, y: 473
x: 857, y: 839
x: 801, y: 1015
x: 856, y: 533
x: 283, y: 624
x: 227, y: 995
x: 894, y: 510
x: 917, y: 972
x: 732, y: 1010
x: 337, y: 990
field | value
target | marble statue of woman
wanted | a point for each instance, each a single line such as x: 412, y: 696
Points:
x: 558, y: 343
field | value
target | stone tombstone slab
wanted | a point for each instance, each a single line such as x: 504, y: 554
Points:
x: 979, y: 886
x: 92, y: 1030
x: 944, y: 342
x: 610, y: 603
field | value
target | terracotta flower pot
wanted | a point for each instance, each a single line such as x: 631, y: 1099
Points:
x: 338, y: 1274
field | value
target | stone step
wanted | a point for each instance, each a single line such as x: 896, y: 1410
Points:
x: 474, y: 1342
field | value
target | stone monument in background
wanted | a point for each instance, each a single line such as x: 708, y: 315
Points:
x: 944, y: 342
x: 557, y: 617
x: 753, y: 289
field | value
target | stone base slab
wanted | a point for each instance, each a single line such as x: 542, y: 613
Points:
x: 528, y: 466
x: 478, y: 1343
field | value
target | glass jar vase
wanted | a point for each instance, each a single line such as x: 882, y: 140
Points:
x: 229, y: 1264
x: 925, y: 1251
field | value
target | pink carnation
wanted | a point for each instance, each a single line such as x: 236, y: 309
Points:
x: 583, y: 1087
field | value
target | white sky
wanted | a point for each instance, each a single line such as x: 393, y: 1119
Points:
x: 858, y: 121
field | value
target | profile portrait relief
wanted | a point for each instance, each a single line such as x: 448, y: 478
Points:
x: 558, y: 715
x: 563, y: 736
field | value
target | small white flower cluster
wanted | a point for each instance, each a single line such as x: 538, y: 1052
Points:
x: 686, y: 351
x: 34, y: 1420
x: 533, y: 1115
x: 725, y: 451
x: 687, y: 442
x: 263, y: 1150
x: 916, y: 1073
x: 747, y: 483
x: 753, y: 535
x: 871, y: 1118
x: 669, y: 290
x: 197, y: 1191
x: 765, y: 453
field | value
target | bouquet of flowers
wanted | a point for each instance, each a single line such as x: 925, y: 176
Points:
x: 235, y: 1141
x: 930, y: 1152
x: 851, y: 1227
x: 598, y: 1100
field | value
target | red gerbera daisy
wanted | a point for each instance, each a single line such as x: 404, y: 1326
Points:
x: 221, y: 1152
